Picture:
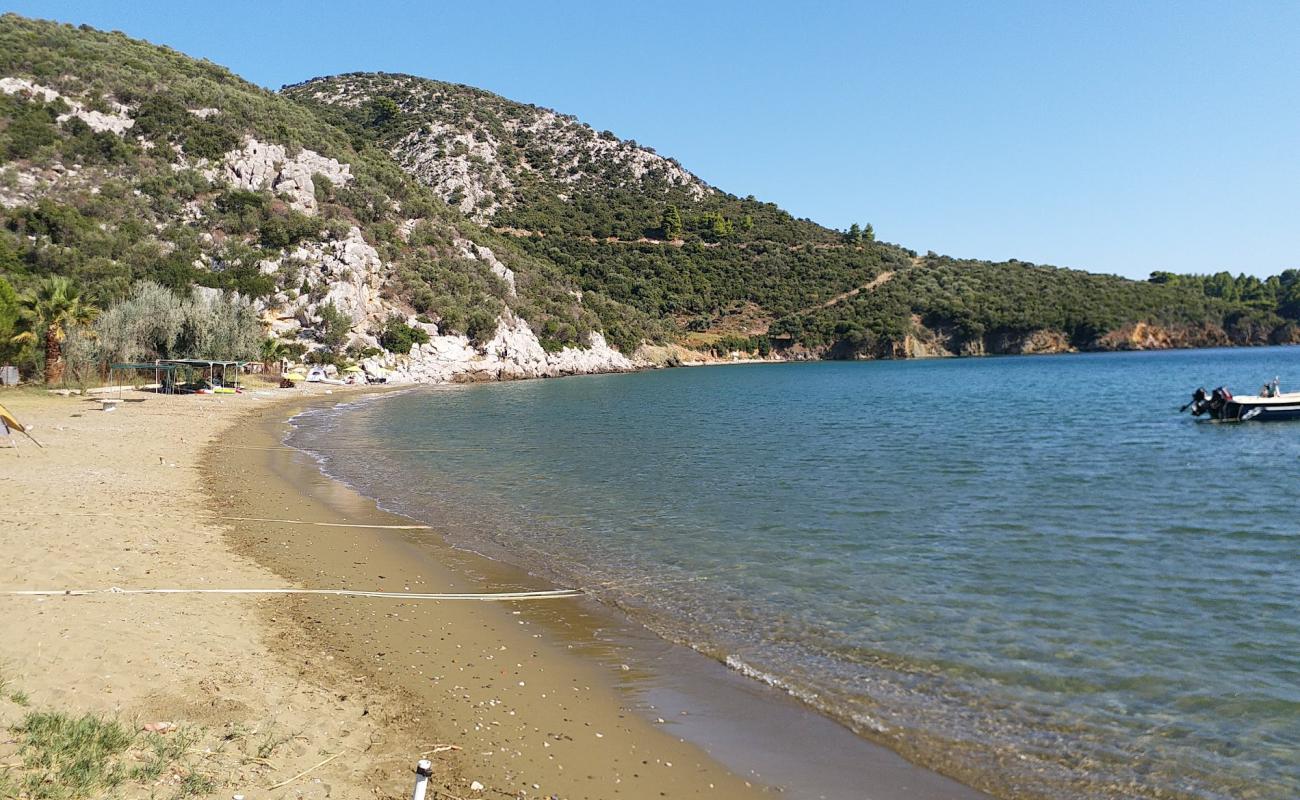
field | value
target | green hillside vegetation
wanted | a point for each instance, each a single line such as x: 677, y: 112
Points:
x: 1277, y: 293
x: 601, y: 234
x: 981, y: 300
x: 701, y: 285
x: 714, y: 262
x: 648, y: 242
x: 122, y: 209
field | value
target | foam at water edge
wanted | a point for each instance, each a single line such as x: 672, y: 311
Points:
x: 809, y: 697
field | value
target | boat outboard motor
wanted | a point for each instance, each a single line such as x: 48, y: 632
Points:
x: 1218, y: 400
x: 1213, y: 403
x: 1199, y: 404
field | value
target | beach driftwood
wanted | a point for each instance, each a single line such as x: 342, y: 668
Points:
x: 304, y: 772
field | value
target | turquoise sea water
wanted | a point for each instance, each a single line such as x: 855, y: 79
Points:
x: 1029, y: 572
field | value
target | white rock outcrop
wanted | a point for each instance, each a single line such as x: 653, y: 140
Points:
x: 349, y: 271
x: 461, y: 167
x: 513, y: 353
x: 597, y: 356
x: 259, y: 165
x: 118, y: 120
x: 19, y: 187
x: 463, y: 157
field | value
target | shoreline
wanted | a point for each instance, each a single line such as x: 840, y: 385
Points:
x: 634, y: 674
x: 527, y: 717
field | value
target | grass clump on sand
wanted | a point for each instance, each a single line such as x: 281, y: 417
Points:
x: 69, y: 757
x: 64, y: 757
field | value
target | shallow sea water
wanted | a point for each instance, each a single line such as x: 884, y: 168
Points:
x: 1031, y: 573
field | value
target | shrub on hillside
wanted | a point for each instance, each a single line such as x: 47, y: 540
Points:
x: 398, y: 337
x: 334, y: 327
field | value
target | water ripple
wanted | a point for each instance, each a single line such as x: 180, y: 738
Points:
x: 1028, y: 572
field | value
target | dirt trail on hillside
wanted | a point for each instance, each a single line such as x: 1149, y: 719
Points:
x: 870, y: 286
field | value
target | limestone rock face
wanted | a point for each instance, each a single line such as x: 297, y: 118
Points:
x: 598, y: 356
x: 347, y: 273
x: 478, y: 162
x: 24, y: 191
x: 258, y: 165
x: 463, y: 171
x: 513, y: 353
x: 118, y: 121
x: 351, y: 272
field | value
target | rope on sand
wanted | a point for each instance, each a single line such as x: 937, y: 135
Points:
x: 146, y: 515
x: 332, y: 524
x: 365, y: 448
x: 547, y: 594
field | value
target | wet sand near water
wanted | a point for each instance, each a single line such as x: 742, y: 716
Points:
x: 528, y: 719
x: 541, y: 698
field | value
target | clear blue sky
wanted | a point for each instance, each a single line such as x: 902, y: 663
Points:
x: 1117, y: 137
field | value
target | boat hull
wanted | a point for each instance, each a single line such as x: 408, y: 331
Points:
x: 1234, y: 411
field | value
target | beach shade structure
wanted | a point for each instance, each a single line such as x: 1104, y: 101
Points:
x: 164, y: 375
x: 212, y: 372
x: 11, y: 425
x: 180, y: 375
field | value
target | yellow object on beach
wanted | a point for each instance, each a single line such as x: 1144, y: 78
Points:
x: 10, y: 424
x: 10, y: 421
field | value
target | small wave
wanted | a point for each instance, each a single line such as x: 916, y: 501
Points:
x: 810, y: 697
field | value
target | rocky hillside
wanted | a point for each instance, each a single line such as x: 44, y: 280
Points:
x: 490, y: 157
x: 737, y: 274
x: 449, y: 233
x: 124, y: 161
x: 615, y: 216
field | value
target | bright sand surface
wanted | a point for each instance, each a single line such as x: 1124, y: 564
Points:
x: 117, y: 500
x: 124, y: 499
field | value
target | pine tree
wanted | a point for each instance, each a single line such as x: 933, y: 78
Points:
x: 672, y: 223
x: 870, y: 233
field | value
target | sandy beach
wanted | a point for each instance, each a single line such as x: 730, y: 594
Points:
x: 305, y: 696
x: 528, y: 716
x: 265, y: 688
x: 117, y: 500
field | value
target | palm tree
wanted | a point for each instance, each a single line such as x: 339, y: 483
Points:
x: 49, y: 312
x: 273, y: 352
